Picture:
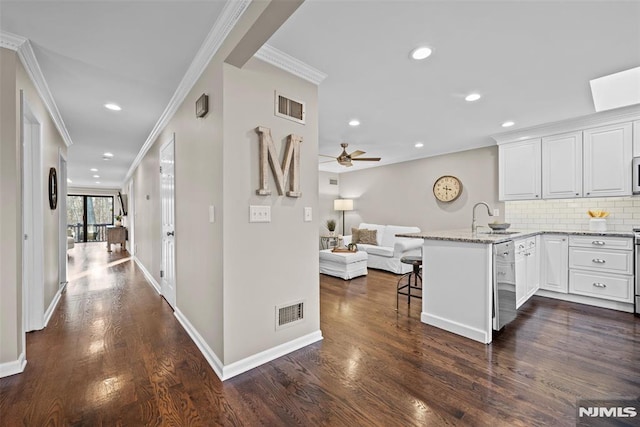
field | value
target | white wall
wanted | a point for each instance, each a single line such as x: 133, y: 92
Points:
x: 327, y: 194
x: 571, y: 214
x: 402, y: 193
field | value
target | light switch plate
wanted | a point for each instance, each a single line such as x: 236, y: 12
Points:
x: 259, y: 213
x: 212, y: 214
x: 496, y: 212
x: 308, y: 215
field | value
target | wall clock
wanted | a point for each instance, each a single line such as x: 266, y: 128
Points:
x: 447, y: 188
x: 53, y: 188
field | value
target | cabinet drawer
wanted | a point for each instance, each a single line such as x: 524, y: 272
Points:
x: 601, y: 285
x: 601, y: 242
x: 601, y: 260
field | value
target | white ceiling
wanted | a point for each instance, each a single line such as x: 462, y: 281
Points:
x: 531, y: 61
x: 94, y: 52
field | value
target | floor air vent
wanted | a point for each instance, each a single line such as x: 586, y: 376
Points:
x: 289, y: 109
x: 289, y: 314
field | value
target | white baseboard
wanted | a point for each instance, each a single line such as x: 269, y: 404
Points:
x: 224, y: 372
x: 581, y: 299
x: 12, y: 368
x: 206, y: 351
x: 456, y: 328
x: 147, y: 275
x: 54, y: 304
x: 268, y: 355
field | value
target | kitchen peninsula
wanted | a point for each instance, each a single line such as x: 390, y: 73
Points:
x: 458, y: 270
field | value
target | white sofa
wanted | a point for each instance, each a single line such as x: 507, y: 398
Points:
x: 387, y: 253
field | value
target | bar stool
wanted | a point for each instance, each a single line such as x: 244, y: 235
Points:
x: 416, y: 262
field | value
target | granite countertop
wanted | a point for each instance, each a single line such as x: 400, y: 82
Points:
x: 484, y: 236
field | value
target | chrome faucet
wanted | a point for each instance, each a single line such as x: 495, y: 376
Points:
x: 474, y: 227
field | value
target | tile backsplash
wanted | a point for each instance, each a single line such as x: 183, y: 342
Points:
x: 571, y: 214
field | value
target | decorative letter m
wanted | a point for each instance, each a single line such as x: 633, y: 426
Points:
x: 290, y: 168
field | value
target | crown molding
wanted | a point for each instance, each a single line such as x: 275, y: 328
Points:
x: 603, y: 118
x: 28, y: 58
x: 229, y: 17
x: 277, y: 58
x: 11, y: 41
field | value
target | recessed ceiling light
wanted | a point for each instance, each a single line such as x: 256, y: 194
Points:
x: 93, y: 170
x: 97, y: 182
x: 354, y: 122
x: 421, y: 52
x: 419, y: 145
x: 69, y: 181
x: 508, y: 124
x: 108, y: 154
x: 472, y: 97
x: 112, y: 107
x: 96, y: 176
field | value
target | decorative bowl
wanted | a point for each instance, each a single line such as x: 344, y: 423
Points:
x: 499, y: 226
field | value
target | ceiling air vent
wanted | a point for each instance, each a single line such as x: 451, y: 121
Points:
x: 289, y: 314
x: 288, y: 108
x: 333, y: 181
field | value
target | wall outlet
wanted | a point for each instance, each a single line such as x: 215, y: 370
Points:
x: 496, y: 212
x: 308, y: 215
x: 259, y: 213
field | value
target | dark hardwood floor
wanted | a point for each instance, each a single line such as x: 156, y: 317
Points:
x: 113, y: 354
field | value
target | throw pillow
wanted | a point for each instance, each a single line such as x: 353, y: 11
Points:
x: 355, y: 235
x: 368, y: 237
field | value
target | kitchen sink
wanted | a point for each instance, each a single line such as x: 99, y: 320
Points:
x: 506, y: 233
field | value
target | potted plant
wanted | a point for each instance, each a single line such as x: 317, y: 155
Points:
x: 118, y: 221
x: 331, y: 226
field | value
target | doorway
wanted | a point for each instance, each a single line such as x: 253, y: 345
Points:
x: 32, y: 219
x: 62, y: 206
x: 88, y: 217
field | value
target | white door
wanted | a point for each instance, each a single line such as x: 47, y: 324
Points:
x: 607, y: 160
x: 562, y: 166
x: 519, y: 170
x: 167, y: 197
x: 32, y: 221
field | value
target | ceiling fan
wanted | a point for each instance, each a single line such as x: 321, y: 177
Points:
x: 345, y: 159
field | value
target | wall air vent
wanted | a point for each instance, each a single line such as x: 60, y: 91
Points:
x: 290, y: 109
x: 287, y: 315
x: 333, y: 181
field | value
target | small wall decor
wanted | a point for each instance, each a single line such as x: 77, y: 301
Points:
x: 290, y: 169
x: 202, y: 106
x: 53, y: 188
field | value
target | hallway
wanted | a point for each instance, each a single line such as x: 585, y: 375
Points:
x: 114, y: 354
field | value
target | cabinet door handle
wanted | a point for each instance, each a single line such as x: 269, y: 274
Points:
x: 599, y: 285
x: 598, y: 243
x: 170, y: 233
x: 598, y: 261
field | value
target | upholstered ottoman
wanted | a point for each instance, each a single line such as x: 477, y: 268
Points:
x: 343, y: 265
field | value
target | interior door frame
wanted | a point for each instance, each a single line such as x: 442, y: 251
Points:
x: 170, y: 297
x: 62, y: 217
x: 32, y: 189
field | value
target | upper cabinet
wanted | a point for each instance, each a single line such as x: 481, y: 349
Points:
x: 562, y: 166
x: 607, y: 160
x: 636, y: 138
x: 519, y: 170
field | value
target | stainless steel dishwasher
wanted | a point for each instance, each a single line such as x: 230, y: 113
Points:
x: 504, y: 284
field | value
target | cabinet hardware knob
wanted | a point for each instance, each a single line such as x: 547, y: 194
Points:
x: 599, y: 285
x: 577, y: 194
x: 588, y: 194
x: 598, y: 243
x: 598, y: 261
x: 537, y: 195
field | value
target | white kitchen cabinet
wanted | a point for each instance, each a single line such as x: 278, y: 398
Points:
x: 527, y: 269
x: 562, y: 166
x: 554, y: 260
x: 636, y: 138
x: 607, y: 160
x: 519, y: 170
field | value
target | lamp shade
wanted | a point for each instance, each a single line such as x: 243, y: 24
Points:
x: 343, y: 205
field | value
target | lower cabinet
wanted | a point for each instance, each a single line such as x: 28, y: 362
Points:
x: 555, y: 263
x: 527, y: 269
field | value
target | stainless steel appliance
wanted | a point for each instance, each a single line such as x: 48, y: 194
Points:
x: 635, y: 186
x: 637, y: 272
x: 504, y: 284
